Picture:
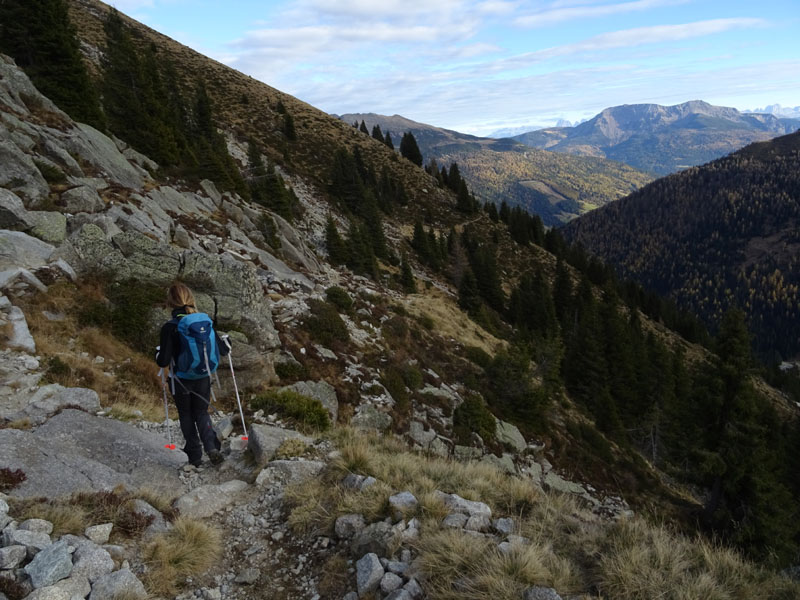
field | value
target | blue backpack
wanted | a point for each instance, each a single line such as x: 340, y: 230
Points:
x: 198, y: 356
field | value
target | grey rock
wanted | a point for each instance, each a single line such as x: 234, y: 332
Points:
x: 455, y: 520
x: 478, y: 523
x: 181, y: 237
x: 205, y: 500
x: 319, y: 390
x: 116, y: 584
x: 554, y: 482
x: 400, y: 595
x: 348, y: 526
x: 508, y: 434
x: 505, y: 462
x: 31, y: 540
x: 390, y: 582
x: 403, y: 503
x: 92, y: 561
x: 82, y: 199
x: 350, y: 596
x: 118, y: 553
x: 504, y: 526
x: 21, y: 338
x: 211, y: 191
x: 413, y: 588
x: 20, y: 174
x: 50, y: 565
x: 158, y: 523
x: 370, y: 418
x: 248, y: 576
x: 37, y: 526
x: 42, y: 405
x: 140, y: 159
x: 224, y: 428
x: 379, y: 538
x: 293, y: 247
x: 99, y: 534
x: 12, y: 556
x: 505, y: 547
x: 12, y: 212
x: 469, y: 507
x: 92, y: 453
x: 18, y: 249
x: 50, y: 227
x: 72, y: 588
x: 264, y: 440
x: 540, y: 593
x: 289, y: 471
x: 18, y: 277
x: 369, y: 573
x: 466, y: 453
x: 101, y: 152
x: 417, y: 432
x: 354, y: 481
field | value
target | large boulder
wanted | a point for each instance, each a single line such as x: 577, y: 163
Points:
x: 50, y: 565
x: 318, y: 390
x: 119, y: 584
x: 82, y: 199
x: 48, y: 226
x: 289, y: 471
x: 12, y: 212
x: 18, y: 172
x: 102, y: 153
x: 18, y: 249
x: 76, y: 451
x: 508, y: 434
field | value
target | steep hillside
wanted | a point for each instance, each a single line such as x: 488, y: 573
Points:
x: 554, y: 186
x: 722, y: 235
x: 661, y: 139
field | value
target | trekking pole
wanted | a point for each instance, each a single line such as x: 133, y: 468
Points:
x: 171, y: 445
x: 235, y: 387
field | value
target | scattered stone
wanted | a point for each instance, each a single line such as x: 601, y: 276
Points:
x: 37, y: 526
x: 417, y: 432
x: 82, y: 199
x: 349, y: 525
x: 12, y: 556
x: 158, y: 524
x: 99, y: 534
x: 21, y: 338
x: 458, y: 504
x: 92, y: 561
x: 33, y: 541
x: 248, y: 576
x: 504, y: 526
x: 370, y: 418
x: 378, y: 538
x: 224, y: 428
x: 403, y: 503
x: 400, y: 595
x: 540, y: 593
x: 390, y: 582
x: 289, y: 471
x: 413, y: 588
x: 505, y: 462
x: 118, y: 584
x: 50, y: 227
x: 50, y: 565
x: 369, y: 573
x: 479, y: 523
x: 555, y: 483
x: 455, y: 520
x: 264, y: 440
x: 358, y: 482
x: 205, y: 500
x: 397, y: 567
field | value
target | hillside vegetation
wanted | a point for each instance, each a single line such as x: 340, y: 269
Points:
x: 554, y: 186
x: 661, y: 139
x: 722, y: 235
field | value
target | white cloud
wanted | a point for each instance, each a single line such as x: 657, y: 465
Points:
x: 558, y: 14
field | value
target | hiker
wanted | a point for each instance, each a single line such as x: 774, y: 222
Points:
x: 191, y: 389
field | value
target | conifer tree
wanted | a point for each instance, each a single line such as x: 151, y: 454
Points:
x: 377, y: 133
x: 388, y: 141
x: 410, y: 150
x: 363, y: 127
x: 407, y: 276
x: 337, y: 250
x: 288, y: 127
x: 469, y: 296
x: 42, y: 39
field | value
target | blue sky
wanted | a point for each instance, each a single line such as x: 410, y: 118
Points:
x: 480, y: 65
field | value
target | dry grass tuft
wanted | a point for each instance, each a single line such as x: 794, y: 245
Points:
x: 65, y: 519
x: 190, y: 548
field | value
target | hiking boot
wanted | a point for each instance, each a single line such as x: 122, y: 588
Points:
x: 215, y: 456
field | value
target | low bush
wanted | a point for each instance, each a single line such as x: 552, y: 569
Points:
x: 291, y: 371
x: 51, y: 174
x: 478, y: 356
x: 9, y: 479
x: 324, y: 323
x: 473, y: 416
x: 339, y: 298
x: 308, y: 413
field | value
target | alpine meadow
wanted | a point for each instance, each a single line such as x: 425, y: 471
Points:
x: 253, y: 349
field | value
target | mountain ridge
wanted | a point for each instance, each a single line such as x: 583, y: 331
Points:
x: 661, y: 139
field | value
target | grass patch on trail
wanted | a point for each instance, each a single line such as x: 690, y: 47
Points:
x: 570, y: 549
x: 189, y: 549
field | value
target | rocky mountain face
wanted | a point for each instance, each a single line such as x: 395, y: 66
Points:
x: 661, y: 139
x: 554, y: 186
x: 78, y: 206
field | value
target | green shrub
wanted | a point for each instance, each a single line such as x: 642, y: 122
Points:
x: 339, y: 298
x: 477, y: 355
x: 51, y: 174
x: 412, y: 376
x: 291, y: 370
x: 473, y: 415
x: 57, y: 370
x: 95, y: 313
x: 396, y: 328
x: 324, y: 323
x: 426, y: 321
x: 308, y: 413
x: 395, y: 384
x: 132, y: 303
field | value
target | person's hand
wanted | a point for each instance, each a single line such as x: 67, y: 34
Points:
x: 226, y: 339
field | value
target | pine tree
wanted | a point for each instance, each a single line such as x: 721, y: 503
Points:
x: 363, y: 127
x: 377, y: 133
x: 410, y: 150
x: 469, y: 297
x: 407, y: 276
x: 337, y: 249
x: 288, y: 127
x: 454, y: 178
x: 388, y: 141
x: 42, y: 39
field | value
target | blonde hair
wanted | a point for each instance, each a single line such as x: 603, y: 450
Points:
x: 180, y: 296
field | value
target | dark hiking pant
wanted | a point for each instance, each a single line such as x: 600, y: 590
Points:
x: 191, y: 397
